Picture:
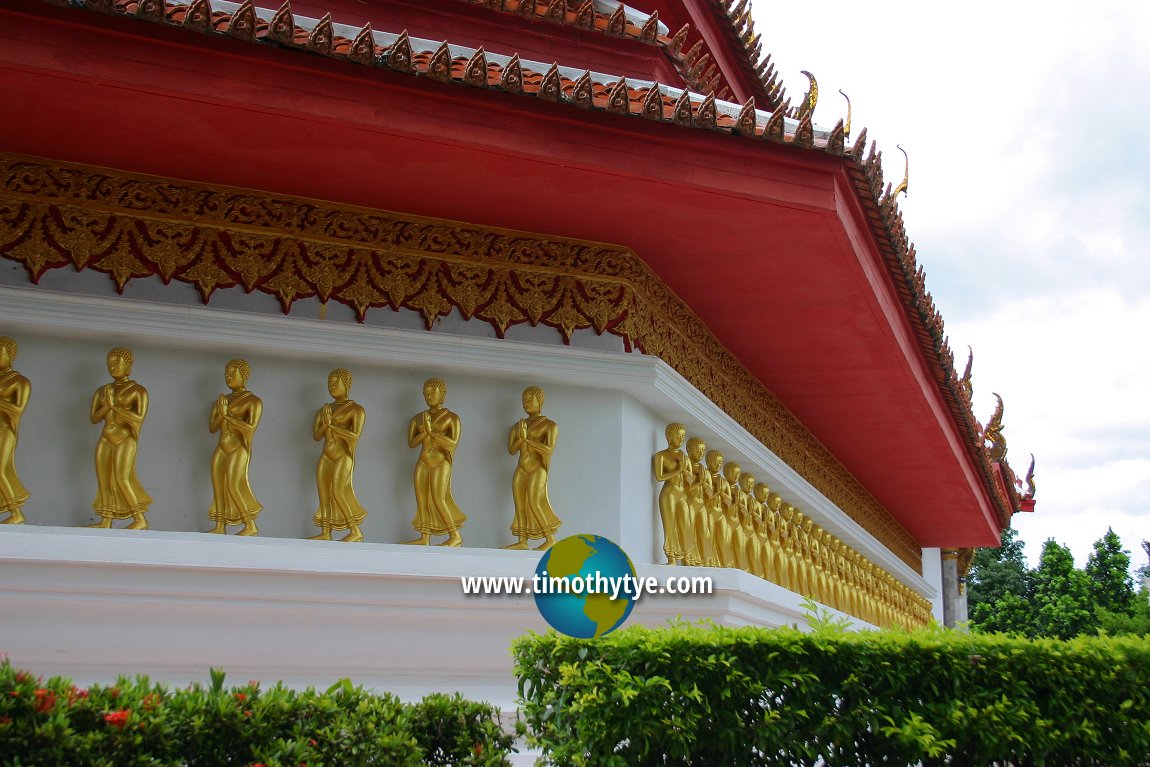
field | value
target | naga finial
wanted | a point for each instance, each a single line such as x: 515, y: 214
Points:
x: 811, y: 99
x: 965, y: 382
x: 1029, y: 494
x: 847, y: 124
x: 993, y: 434
x: 905, y: 175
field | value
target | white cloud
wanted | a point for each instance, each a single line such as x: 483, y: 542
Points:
x: 1029, y: 207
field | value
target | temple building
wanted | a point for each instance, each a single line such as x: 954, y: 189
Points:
x: 475, y: 257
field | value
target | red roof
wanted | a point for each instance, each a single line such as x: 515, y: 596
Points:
x: 787, y: 248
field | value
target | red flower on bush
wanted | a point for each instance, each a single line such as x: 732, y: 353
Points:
x: 241, y: 697
x: 76, y: 693
x: 45, y: 700
x: 117, y: 718
x: 5, y: 719
x: 151, y: 700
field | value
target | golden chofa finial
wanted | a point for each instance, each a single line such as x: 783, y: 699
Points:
x: 812, y: 97
x: 965, y: 382
x: 905, y: 175
x: 847, y: 124
x: 1029, y: 494
x: 993, y: 434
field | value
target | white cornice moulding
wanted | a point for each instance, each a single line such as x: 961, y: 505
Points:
x: 647, y: 379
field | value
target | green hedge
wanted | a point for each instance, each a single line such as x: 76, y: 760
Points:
x: 723, y: 696
x: 136, y: 722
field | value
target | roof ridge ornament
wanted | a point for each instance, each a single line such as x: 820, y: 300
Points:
x: 585, y: 16
x: 810, y: 100
x: 399, y: 55
x: 676, y: 43
x: 905, y: 174
x: 320, y: 39
x: 745, y: 123
x: 682, y: 114
x: 966, y: 385
x: 583, y: 93
x: 847, y: 126
x: 1029, y: 494
x: 836, y: 142
x: 653, y: 103
x: 243, y: 22
x: 776, y: 129
x: 198, y: 16
x: 650, y: 30
x: 511, y: 80
x: 992, y: 433
x: 707, y: 116
x: 362, y: 49
x: 440, y: 66
x: 858, y: 147
x: 476, y: 72
x: 282, y: 27
x: 556, y: 12
x: 619, y: 99
x: 551, y: 87
x: 617, y: 24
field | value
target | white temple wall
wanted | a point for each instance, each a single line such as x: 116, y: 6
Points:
x: 611, y: 407
x: 57, y: 442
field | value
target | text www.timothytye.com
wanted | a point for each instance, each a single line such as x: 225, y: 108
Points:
x: 628, y: 586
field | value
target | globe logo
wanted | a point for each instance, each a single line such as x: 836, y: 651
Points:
x: 594, y: 569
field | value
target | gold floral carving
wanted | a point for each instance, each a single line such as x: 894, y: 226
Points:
x: 54, y: 215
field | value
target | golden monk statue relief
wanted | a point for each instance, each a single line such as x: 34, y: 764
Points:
x: 14, y: 393
x: 435, y: 432
x: 533, y: 438
x: 338, y: 424
x: 672, y: 467
x: 699, y: 489
x: 235, y: 417
x: 121, y: 406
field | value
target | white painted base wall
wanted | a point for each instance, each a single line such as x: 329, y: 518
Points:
x: 93, y: 604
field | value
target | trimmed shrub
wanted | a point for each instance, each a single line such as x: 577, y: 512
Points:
x: 693, y: 695
x: 137, y: 723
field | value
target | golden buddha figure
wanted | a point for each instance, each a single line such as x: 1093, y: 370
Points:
x: 435, y: 432
x: 735, y: 544
x: 799, y: 555
x: 14, y: 393
x: 338, y: 424
x: 672, y: 467
x: 716, y: 504
x: 121, y: 406
x: 794, y: 549
x: 235, y: 416
x: 766, y: 535
x: 779, y: 538
x: 533, y: 438
x: 752, y: 550
x: 699, y: 490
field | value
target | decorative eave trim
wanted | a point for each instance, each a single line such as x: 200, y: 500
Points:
x: 733, y: 18
x: 55, y: 215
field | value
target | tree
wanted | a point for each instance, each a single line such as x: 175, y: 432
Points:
x: 1109, y: 570
x: 1063, y: 604
x: 995, y: 573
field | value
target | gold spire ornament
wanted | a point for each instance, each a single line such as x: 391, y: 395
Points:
x: 235, y: 417
x: 435, y: 432
x: 338, y: 424
x: 533, y: 439
x: 672, y: 467
x: 121, y: 406
x: 15, y: 391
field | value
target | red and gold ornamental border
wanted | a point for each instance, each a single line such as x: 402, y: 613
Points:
x: 54, y: 215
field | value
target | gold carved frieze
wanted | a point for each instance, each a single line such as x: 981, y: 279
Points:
x: 54, y: 215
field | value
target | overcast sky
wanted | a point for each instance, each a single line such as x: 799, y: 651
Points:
x: 1026, y: 126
